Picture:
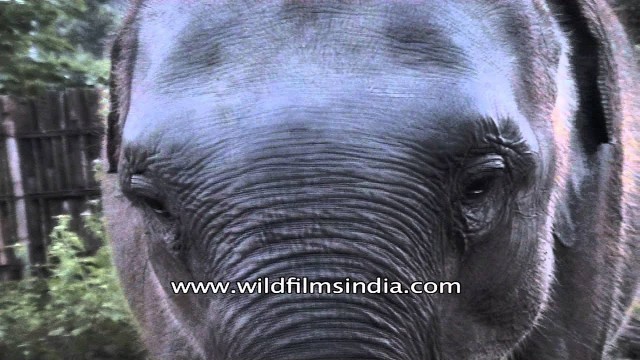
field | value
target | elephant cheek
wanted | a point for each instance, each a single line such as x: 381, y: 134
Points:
x: 147, y: 295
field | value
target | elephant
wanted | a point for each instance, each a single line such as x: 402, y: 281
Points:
x: 490, y: 144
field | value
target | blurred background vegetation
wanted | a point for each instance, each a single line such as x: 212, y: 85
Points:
x: 78, y: 312
x: 54, y: 43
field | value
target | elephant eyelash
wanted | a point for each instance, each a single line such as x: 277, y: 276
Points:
x: 481, y: 176
x: 148, y: 195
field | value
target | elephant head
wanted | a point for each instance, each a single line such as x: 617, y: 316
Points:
x: 412, y: 141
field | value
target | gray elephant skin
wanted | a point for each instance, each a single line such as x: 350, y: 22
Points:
x: 492, y: 143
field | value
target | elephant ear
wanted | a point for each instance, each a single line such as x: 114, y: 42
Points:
x: 113, y: 119
x: 123, y: 53
x: 603, y: 65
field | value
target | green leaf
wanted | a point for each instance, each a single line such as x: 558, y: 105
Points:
x: 57, y: 332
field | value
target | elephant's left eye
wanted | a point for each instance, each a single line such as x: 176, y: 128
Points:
x: 478, y: 187
x: 482, y: 182
x: 481, y: 176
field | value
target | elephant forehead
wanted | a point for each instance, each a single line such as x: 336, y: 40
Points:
x: 187, y: 45
x: 210, y: 59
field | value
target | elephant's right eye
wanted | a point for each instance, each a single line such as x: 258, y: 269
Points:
x: 156, y: 206
x: 147, y: 194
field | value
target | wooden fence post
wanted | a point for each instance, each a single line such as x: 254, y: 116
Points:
x: 15, y: 173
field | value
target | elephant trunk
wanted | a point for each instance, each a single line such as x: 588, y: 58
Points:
x: 317, y: 217
x: 333, y: 327
x: 312, y: 300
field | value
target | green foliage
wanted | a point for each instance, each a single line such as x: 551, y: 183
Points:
x: 93, y: 26
x: 40, y: 47
x: 77, y: 312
